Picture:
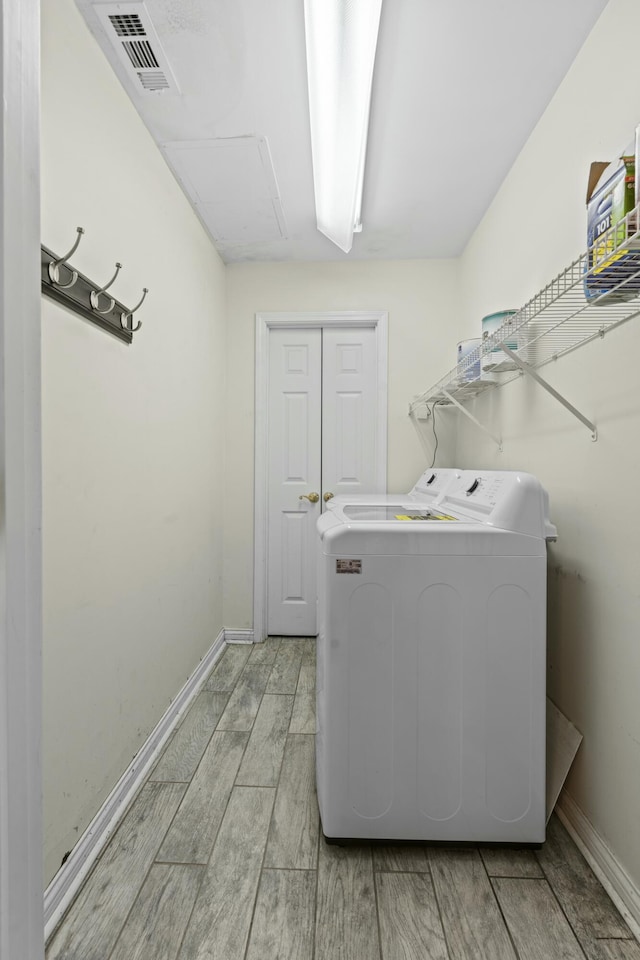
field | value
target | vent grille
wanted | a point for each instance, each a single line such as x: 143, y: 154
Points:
x: 155, y: 81
x: 127, y: 25
x: 141, y: 54
x: 131, y: 34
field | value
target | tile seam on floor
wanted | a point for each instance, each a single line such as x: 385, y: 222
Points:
x: 189, y: 918
x: 146, y: 875
x: 384, y: 869
x: 207, y: 861
x: 260, y: 876
x: 200, y: 867
x: 286, y: 734
x: 275, y: 786
x: 375, y: 901
x: 293, y: 869
x: 173, y: 781
x: 621, y: 939
x: 249, y: 730
x: 175, y: 813
x: 208, y: 743
x: 129, y: 911
x: 186, y: 863
x: 562, y: 909
x: 516, y: 952
x: 206, y: 746
x: 181, y: 863
x: 213, y: 845
x: 545, y: 880
x: 253, y: 725
x: 439, y: 909
x: 226, y: 806
x: 317, y: 872
x: 96, y: 865
x: 275, y: 796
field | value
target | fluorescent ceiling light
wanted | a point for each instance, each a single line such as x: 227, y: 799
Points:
x: 341, y: 38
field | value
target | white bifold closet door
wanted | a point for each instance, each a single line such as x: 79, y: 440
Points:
x: 322, y: 439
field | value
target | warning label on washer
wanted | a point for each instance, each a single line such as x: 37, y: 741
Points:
x: 348, y: 566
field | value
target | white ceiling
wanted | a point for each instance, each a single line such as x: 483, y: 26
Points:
x: 459, y: 86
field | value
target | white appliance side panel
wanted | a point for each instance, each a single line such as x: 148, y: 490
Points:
x: 509, y: 703
x: 370, y: 707
x: 504, y: 698
x: 439, y: 703
x: 468, y: 681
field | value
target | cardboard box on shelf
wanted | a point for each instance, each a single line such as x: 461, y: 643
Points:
x: 613, y: 258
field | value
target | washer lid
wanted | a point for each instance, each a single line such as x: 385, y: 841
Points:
x: 396, y: 512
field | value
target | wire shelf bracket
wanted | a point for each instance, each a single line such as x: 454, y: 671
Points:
x: 470, y: 416
x: 530, y: 372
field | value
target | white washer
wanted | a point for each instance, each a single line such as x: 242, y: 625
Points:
x: 431, y: 665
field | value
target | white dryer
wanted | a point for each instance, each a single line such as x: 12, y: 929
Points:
x: 431, y: 664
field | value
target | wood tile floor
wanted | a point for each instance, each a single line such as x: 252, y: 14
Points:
x: 220, y: 857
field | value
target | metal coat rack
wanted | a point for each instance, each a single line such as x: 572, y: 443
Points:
x: 66, y: 285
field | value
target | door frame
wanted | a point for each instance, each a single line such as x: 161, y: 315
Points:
x: 21, y: 881
x: 265, y: 322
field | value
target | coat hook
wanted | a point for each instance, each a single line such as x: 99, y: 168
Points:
x: 54, y: 266
x: 95, y: 294
x: 126, y: 317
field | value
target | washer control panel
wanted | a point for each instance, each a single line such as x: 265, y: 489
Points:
x: 480, y: 491
x: 434, y: 482
x: 505, y: 499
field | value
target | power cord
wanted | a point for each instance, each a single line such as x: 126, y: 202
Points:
x: 433, y: 427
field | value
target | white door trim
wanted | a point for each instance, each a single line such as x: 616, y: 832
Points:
x: 21, y: 893
x: 264, y: 323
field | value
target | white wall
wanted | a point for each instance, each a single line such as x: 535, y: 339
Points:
x: 534, y: 228
x: 419, y: 297
x: 133, y: 452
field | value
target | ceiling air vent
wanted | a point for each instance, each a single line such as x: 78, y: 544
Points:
x: 127, y: 24
x: 130, y: 32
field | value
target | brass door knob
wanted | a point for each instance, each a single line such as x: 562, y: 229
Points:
x: 327, y: 497
x: 311, y: 497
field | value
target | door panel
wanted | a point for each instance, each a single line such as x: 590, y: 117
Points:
x: 296, y: 410
x: 349, y: 406
x: 294, y: 451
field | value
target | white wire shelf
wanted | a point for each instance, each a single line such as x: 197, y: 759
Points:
x: 598, y: 291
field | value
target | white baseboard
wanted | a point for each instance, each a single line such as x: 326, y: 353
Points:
x: 69, y: 878
x: 238, y: 636
x: 608, y: 869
